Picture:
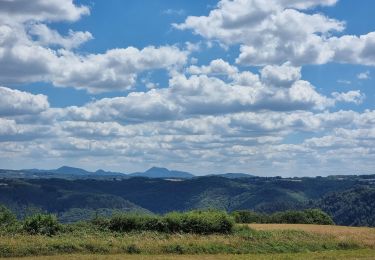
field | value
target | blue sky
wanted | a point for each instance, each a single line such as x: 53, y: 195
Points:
x: 264, y: 87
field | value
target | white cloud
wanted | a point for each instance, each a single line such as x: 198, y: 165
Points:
x: 305, y: 4
x: 117, y: 69
x: 48, y: 37
x: 271, y: 32
x: 364, y: 75
x: 207, y: 95
x: 30, y: 51
x: 170, y: 11
x: 353, y: 96
x: 15, y: 102
x: 41, y: 10
x: 11, y: 131
x: 280, y: 76
x: 216, y: 67
x: 344, y: 81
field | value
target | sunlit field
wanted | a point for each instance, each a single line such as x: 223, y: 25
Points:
x: 363, y: 235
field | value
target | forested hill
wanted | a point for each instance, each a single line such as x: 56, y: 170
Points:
x: 349, y: 199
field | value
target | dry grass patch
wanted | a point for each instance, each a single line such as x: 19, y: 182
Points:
x: 362, y: 235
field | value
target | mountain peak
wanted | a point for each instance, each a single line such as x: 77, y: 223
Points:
x: 159, y: 172
x: 71, y: 170
x: 64, y: 167
x: 157, y: 169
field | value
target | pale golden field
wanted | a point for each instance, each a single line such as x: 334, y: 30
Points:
x: 363, y: 235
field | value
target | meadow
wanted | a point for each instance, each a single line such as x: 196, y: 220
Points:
x: 207, y: 234
x: 280, y: 242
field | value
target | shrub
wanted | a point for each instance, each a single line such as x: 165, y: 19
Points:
x: 308, y: 216
x: 43, y: 224
x: 8, y: 220
x: 289, y: 217
x: 100, y: 222
x: 247, y: 216
x: 199, y: 222
x: 317, y: 216
x: 126, y: 223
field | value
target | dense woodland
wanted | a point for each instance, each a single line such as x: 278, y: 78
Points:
x: 349, y: 200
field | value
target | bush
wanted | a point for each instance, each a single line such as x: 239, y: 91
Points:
x: 289, y: 217
x: 8, y: 220
x: 199, y: 222
x: 100, y: 222
x: 42, y: 224
x: 202, y: 222
x: 247, y: 216
x: 309, y: 216
x: 317, y: 216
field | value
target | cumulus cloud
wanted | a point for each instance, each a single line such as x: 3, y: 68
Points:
x: 11, y: 131
x: 353, y: 96
x: 216, y: 67
x: 40, y: 10
x: 195, y: 95
x: 117, y: 69
x: 46, y: 36
x: 274, y: 32
x: 280, y: 76
x: 364, y: 75
x: 15, y: 102
x: 31, y: 51
x: 305, y: 4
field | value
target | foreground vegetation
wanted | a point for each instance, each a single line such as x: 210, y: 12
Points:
x: 243, y: 240
x: 362, y: 254
x: 189, y: 233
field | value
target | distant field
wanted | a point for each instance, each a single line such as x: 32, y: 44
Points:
x: 363, y: 235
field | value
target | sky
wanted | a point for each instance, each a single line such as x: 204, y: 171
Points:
x: 271, y: 88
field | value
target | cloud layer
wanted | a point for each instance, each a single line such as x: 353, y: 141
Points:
x: 215, y: 116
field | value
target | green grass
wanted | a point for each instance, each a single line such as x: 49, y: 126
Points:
x: 82, y: 240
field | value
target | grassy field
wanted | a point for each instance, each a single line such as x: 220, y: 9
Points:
x: 259, y: 242
x: 362, y: 235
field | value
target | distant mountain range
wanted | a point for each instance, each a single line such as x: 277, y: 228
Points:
x: 72, y: 173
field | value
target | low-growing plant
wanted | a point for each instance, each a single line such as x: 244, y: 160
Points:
x: 42, y: 224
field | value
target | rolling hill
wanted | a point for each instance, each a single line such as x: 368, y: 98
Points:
x: 345, y: 198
